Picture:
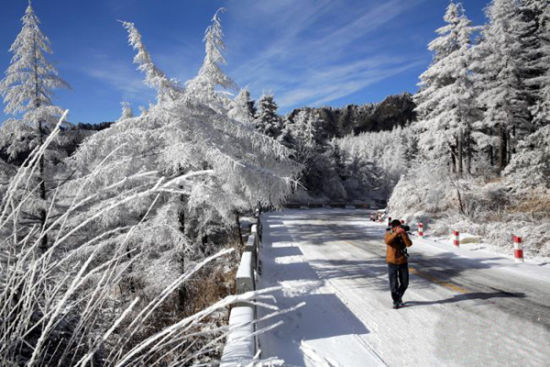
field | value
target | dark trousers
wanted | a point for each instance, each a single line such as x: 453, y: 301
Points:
x: 399, y: 280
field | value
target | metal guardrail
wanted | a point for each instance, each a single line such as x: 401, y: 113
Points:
x: 241, y: 344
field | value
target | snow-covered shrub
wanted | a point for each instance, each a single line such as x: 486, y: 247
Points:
x: 425, y: 187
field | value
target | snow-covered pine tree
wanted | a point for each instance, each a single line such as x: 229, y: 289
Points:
x: 498, y: 60
x: 307, y: 128
x: 541, y: 109
x: 210, y: 75
x: 27, y: 88
x: 530, y: 165
x: 242, y: 107
x: 445, y: 102
x: 267, y: 121
x: 532, y: 43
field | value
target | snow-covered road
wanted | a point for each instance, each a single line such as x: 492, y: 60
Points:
x: 466, y: 308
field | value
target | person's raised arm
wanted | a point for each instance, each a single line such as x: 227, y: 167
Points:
x: 406, y: 239
x: 390, y: 238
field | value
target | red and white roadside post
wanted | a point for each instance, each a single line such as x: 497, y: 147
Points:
x: 456, y: 238
x: 518, y: 249
x: 402, y: 221
x: 420, y: 229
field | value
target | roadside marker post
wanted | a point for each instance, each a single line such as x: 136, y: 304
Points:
x: 420, y: 229
x: 456, y: 238
x: 518, y: 249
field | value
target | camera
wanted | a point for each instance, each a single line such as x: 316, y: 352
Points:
x: 404, y: 226
x: 402, y: 248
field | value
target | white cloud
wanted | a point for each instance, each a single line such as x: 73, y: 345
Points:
x: 332, y: 84
x: 119, y: 79
x: 314, y: 52
x: 118, y: 74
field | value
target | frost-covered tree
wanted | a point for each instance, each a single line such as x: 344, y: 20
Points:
x: 498, y: 60
x: 191, y: 166
x: 532, y: 42
x: 301, y: 134
x: 210, y: 75
x: 383, y: 153
x: 30, y: 78
x: 242, y: 107
x: 530, y: 165
x: 541, y: 109
x: 267, y: 120
x: 27, y: 89
x: 445, y: 102
x: 307, y: 128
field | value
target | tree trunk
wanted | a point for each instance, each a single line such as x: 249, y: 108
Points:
x: 469, y: 152
x: 460, y: 204
x: 502, y: 147
x: 511, y: 147
x: 459, y: 142
x: 453, y: 161
x: 132, y: 284
x: 42, y: 178
x: 238, y: 222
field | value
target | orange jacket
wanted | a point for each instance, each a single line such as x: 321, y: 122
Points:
x: 393, y: 255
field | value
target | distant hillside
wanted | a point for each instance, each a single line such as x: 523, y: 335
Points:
x: 352, y: 119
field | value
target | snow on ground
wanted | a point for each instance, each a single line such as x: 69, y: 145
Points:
x: 465, y: 307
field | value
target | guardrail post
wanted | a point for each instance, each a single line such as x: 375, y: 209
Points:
x: 518, y: 249
x: 456, y: 238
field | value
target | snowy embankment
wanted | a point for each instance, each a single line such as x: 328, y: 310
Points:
x: 493, y: 238
x: 465, y: 306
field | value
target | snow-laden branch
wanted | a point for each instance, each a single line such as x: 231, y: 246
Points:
x: 154, y: 77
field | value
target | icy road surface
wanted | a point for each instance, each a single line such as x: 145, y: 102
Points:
x: 466, y: 308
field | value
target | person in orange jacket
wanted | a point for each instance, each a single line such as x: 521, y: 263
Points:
x: 397, y: 240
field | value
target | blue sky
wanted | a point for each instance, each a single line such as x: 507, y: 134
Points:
x: 305, y: 52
